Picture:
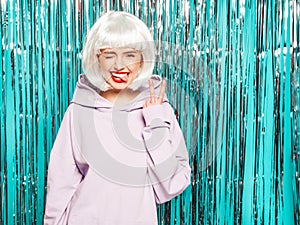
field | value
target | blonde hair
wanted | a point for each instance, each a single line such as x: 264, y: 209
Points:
x: 113, y: 30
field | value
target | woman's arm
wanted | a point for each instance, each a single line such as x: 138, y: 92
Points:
x: 168, y: 161
x: 63, y: 175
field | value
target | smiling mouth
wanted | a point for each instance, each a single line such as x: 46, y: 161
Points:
x: 119, y: 77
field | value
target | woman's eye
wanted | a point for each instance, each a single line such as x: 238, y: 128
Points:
x: 131, y: 55
x: 108, y: 57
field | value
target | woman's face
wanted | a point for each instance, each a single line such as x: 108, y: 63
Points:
x: 120, y: 66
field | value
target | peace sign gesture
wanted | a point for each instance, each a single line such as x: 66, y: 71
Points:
x: 153, y: 100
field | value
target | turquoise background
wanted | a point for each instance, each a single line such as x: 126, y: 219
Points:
x: 233, y: 76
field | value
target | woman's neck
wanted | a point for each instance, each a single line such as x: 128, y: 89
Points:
x: 119, y: 97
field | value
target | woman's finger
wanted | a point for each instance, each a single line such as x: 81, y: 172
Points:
x: 162, y: 91
x: 145, y: 104
x: 152, y: 93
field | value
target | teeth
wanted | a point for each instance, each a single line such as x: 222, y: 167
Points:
x: 119, y: 74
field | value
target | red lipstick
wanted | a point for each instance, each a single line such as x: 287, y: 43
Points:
x: 119, y: 76
x: 117, y: 79
x: 119, y: 72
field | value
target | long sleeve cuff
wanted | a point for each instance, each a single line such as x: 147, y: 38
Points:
x: 157, y: 115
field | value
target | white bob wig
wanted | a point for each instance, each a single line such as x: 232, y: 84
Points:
x: 117, y: 30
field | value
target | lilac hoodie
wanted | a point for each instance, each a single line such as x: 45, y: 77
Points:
x: 111, y: 165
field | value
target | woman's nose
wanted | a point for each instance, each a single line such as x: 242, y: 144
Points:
x: 119, y: 64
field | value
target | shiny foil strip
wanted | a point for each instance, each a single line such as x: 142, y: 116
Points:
x: 233, y: 76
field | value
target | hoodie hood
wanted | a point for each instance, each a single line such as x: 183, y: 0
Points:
x: 87, y: 95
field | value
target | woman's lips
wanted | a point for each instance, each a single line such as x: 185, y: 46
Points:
x: 119, y: 77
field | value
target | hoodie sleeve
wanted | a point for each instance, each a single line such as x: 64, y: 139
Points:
x: 168, y: 162
x: 63, y: 175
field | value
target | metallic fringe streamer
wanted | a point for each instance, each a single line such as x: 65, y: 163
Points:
x: 233, y: 70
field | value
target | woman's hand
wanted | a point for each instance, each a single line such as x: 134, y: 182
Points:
x: 153, y: 100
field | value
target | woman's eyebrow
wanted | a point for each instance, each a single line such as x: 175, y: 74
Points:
x: 109, y: 52
x: 128, y: 52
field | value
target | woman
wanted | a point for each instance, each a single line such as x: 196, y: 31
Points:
x: 119, y: 151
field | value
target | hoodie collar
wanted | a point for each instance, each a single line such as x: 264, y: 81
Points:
x: 87, y: 95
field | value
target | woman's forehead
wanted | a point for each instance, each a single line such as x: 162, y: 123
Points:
x: 119, y: 50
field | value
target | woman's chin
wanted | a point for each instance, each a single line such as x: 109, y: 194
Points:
x: 118, y: 86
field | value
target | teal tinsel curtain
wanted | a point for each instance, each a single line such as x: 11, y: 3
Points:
x: 233, y: 76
